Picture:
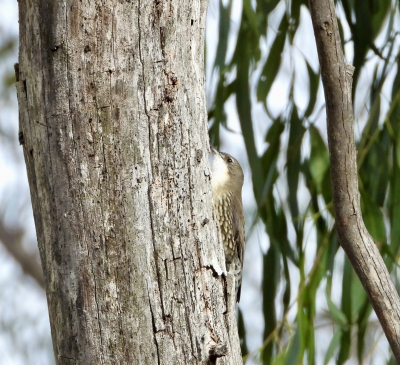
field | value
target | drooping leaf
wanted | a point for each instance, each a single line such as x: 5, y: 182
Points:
x: 334, y: 344
x: 314, y: 80
x: 296, y: 134
x: 242, y: 333
x: 273, y: 62
x: 271, y: 270
x: 319, y: 158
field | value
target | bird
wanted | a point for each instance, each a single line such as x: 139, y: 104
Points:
x: 226, y: 183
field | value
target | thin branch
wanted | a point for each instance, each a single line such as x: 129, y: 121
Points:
x: 29, y: 263
x: 353, y: 235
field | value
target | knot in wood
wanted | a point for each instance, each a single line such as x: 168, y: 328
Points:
x: 217, y: 351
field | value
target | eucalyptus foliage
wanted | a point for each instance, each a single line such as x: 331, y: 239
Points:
x: 269, y: 35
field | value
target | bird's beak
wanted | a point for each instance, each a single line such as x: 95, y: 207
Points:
x: 211, y: 156
x: 214, y: 151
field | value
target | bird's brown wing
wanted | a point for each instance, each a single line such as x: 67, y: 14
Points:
x: 239, y: 229
x: 239, y: 234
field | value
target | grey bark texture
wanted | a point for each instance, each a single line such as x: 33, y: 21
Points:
x: 114, y: 131
x: 353, y: 235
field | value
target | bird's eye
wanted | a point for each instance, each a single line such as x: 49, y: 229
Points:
x: 229, y: 160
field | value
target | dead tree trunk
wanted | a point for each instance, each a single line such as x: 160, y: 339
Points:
x: 114, y: 130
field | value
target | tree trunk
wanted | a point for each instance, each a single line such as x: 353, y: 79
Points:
x: 353, y: 235
x: 114, y: 130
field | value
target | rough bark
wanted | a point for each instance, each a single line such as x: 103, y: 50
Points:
x: 114, y: 130
x: 353, y: 235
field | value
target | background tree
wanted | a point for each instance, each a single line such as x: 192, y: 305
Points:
x: 263, y: 76
x: 289, y: 165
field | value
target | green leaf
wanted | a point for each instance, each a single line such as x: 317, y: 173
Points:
x: 319, y: 158
x: 313, y: 78
x: 273, y: 62
x: 379, y: 11
x: 264, y: 8
x: 270, y: 157
x: 394, y: 199
x: 271, y: 273
x: 242, y: 333
x: 337, y: 315
x: 244, y: 111
x: 347, y: 290
x: 362, y: 323
x: 373, y: 218
x: 333, y: 345
x: 327, y: 190
x: 224, y: 27
x: 294, y: 350
x: 293, y: 155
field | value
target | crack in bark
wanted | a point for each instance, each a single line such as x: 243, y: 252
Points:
x: 141, y: 61
x: 153, y: 322
x: 66, y: 357
x: 98, y: 314
x: 155, y: 256
x: 150, y: 202
x: 188, y: 301
x: 214, y: 272
x: 192, y: 209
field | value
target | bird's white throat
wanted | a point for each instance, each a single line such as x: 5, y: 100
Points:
x: 220, y: 173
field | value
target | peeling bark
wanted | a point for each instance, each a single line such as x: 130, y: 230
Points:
x: 353, y: 235
x: 114, y: 131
